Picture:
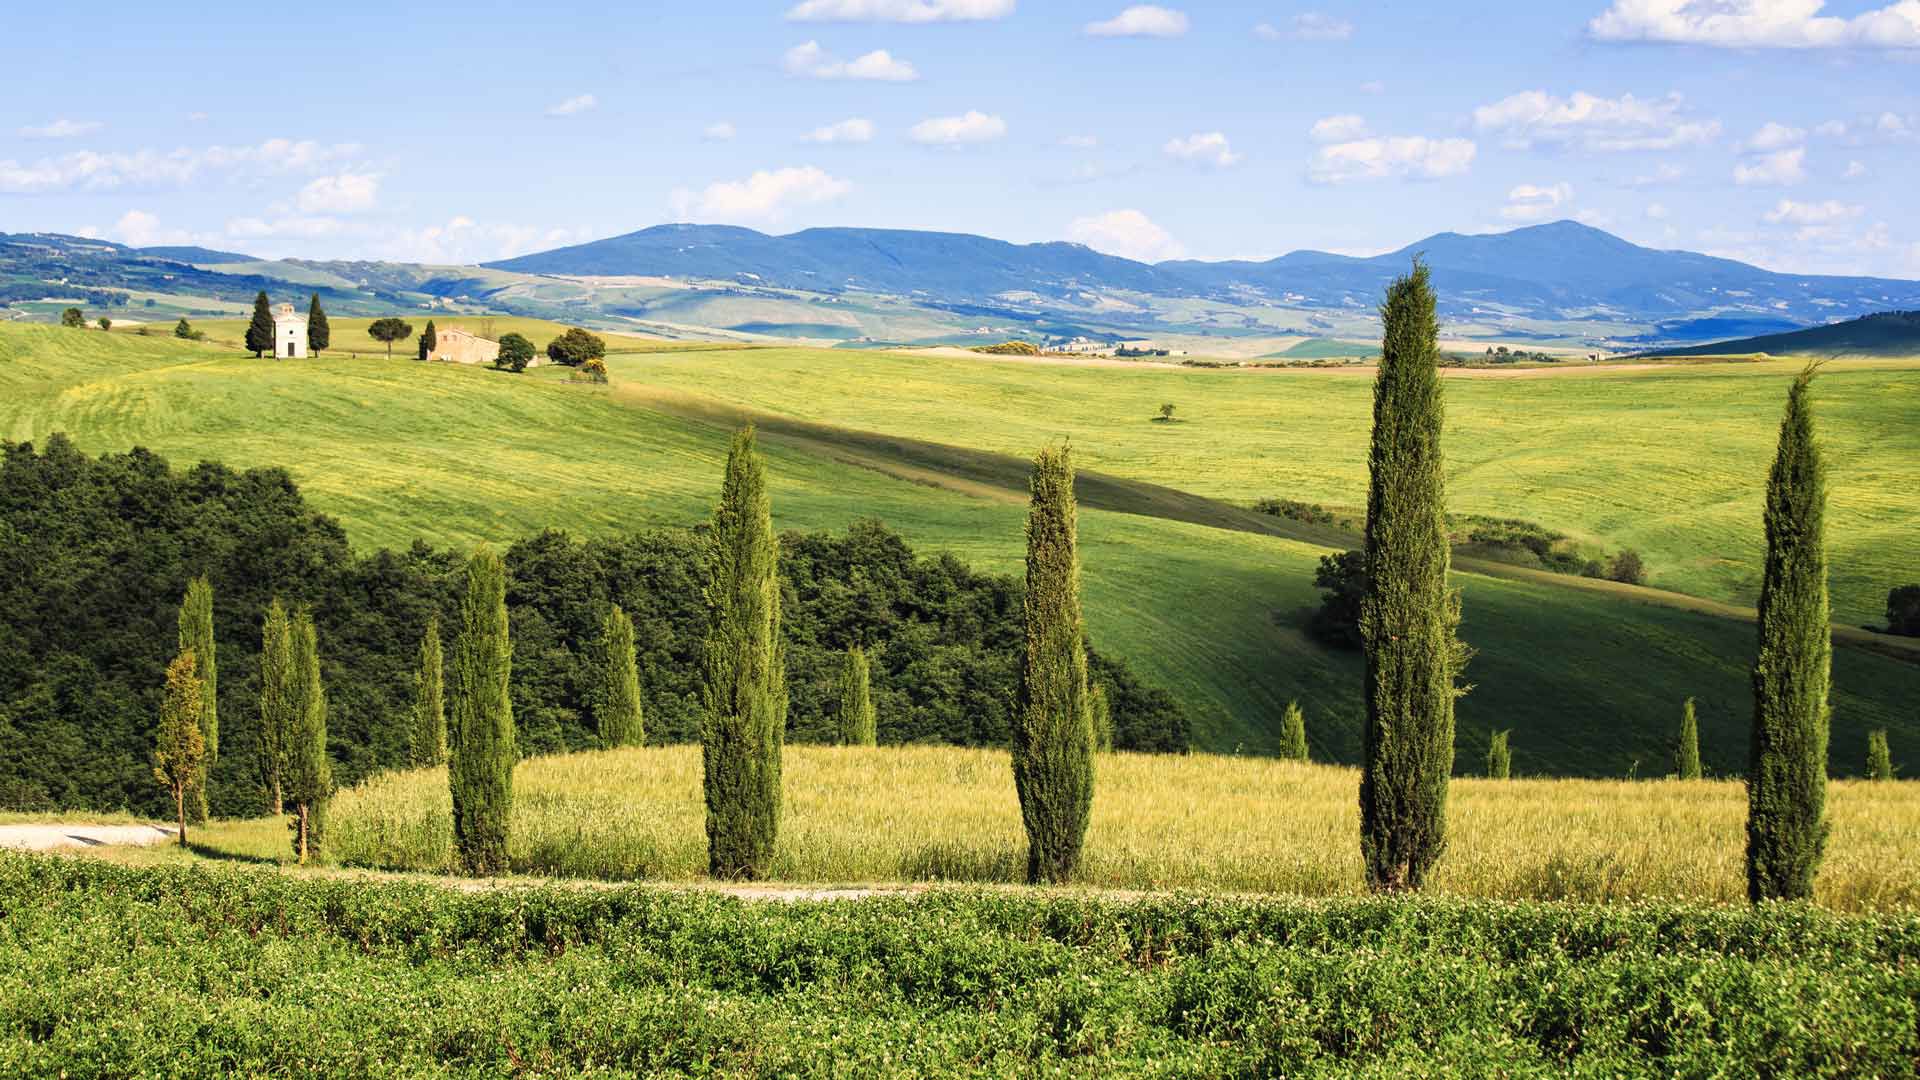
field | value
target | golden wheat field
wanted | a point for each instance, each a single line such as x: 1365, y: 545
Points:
x: 1192, y: 822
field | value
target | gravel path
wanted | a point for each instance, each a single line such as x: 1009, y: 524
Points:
x: 55, y: 835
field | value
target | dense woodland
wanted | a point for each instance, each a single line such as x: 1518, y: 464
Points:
x: 102, y: 549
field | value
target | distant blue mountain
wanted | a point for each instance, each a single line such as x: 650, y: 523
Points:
x: 1562, y: 270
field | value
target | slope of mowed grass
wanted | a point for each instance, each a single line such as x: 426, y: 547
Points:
x: 1670, y: 462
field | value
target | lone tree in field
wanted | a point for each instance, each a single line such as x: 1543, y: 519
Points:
x: 1686, y: 758
x: 859, y: 726
x: 1053, y: 715
x: 617, y: 708
x: 73, y: 318
x: 428, y: 339
x: 389, y: 330
x: 429, y: 740
x: 743, y: 673
x: 481, y: 751
x: 319, y: 334
x: 279, y: 703
x: 1293, y: 733
x: 260, y: 329
x: 1408, y: 616
x: 516, y: 352
x: 309, y: 772
x: 196, y: 637
x: 179, y: 754
x: 104, y: 323
x: 1879, y: 757
x: 1787, y: 775
x: 183, y: 329
x: 1903, y: 611
x: 1102, y: 708
x: 1499, y: 756
x: 576, y: 347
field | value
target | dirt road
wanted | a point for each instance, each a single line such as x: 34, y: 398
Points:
x: 55, y: 835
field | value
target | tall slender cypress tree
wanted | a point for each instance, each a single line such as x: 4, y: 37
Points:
x: 196, y: 637
x: 319, y: 334
x: 1787, y: 773
x: 1293, y: 733
x: 743, y: 673
x: 1686, y: 759
x: 309, y: 774
x: 482, y: 753
x: 260, y: 329
x: 1499, y: 756
x: 429, y: 701
x: 1408, y: 615
x: 179, y: 754
x: 859, y: 726
x: 428, y: 339
x: 1053, y: 715
x: 1879, y: 756
x: 278, y: 703
x: 617, y: 708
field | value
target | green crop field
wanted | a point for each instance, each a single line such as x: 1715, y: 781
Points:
x: 1591, y: 680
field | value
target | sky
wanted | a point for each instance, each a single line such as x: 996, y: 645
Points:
x: 1781, y: 132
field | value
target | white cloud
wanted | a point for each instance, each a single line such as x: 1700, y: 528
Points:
x: 1831, y: 129
x: 1788, y: 212
x: 572, y: 105
x: 1345, y: 127
x: 1080, y: 142
x: 1311, y: 26
x: 1411, y: 156
x: 764, y: 196
x: 1855, y: 170
x: 1758, y: 24
x: 1142, y: 20
x: 1532, y: 202
x: 1779, y: 168
x: 1892, y: 125
x: 86, y: 170
x: 852, y: 130
x: 1775, y: 136
x: 60, y: 129
x: 1129, y: 234
x: 1594, y: 123
x: 813, y: 62
x: 345, y: 193
x: 904, y: 11
x: 1205, y: 148
x: 719, y: 131
x: 1657, y: 211
x: 462, y: 241
x: 139, y: 228
x: 970, y: 127
x: 294, y: 226
x: 1666, y: 173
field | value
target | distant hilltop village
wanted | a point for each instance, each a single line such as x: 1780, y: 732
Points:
x: 1088, y: 347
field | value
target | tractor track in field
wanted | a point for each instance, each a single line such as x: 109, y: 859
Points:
x: 1003, y: 478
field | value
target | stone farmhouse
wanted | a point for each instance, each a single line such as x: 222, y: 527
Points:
x: 289, y: 333
x: 454, y: 345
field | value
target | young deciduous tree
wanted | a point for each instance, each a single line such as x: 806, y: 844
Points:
x: 1293, y: 733
x: 1408, y: 615
x: 1879, y: 756
x: 179, y: 754
x: 260, y: 328
x: 309, y: 771
x: 482, y: 751
x: 319, y: 334
x: 196, y: 637
x: 516, y: 352
x: 428, y: 340
x: 1787, y: 773
x: 743, y: 673
x: 576, y: 347
x: 105, y: 323
x: 1053, y: 716
x: 429, y: 741
x: 73, y: 318
x: 389, y: 330
x: 1499, y: 756
x: 617, y: 706
x: 858, y: 724
x: 279, y: 703
x: 1686, y: 758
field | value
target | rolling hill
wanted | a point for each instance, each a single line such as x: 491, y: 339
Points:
x: 1887, y: 333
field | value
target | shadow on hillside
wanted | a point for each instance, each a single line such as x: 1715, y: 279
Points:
x: 206, y: 851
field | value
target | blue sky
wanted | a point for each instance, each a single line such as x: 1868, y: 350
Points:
x: 1783, y: 132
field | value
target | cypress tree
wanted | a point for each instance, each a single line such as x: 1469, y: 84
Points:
x: 481, y: 751
x: 319, y: 334
x: 196, y: 637
x: 1499, y: 756
x: 618, y: 706
x: 309, y: 772
x: 1102, y: 707
x: 1787, y: 773
x: 260, y: 330
x: 429, y: 701
x: 858, y: 724
x: 278, y: 703
x: 1686, y: 761
x: 179, y: 754
x: 1293, y: 733
x: 743, y: 673
x: 1053, y: 718
x: 428, y: 339
x: 1408, y: 616
x: 1879, y: 757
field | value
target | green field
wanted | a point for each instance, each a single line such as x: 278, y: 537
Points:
x: 1590, y: 679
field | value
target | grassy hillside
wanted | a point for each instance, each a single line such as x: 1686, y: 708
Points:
x: 1889, y: 333
x: 398, y: 450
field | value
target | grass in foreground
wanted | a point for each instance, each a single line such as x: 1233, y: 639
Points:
x: 1194, y: 822
x: 106, y: 970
